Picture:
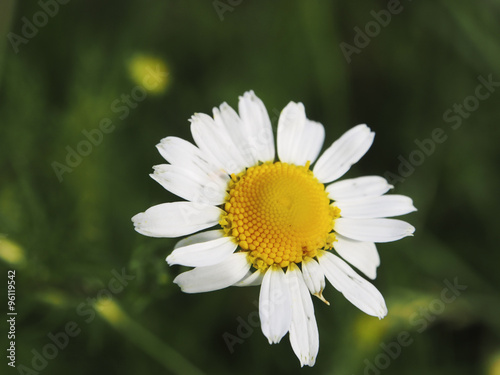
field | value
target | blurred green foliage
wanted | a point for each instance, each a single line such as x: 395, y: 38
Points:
x: 68, y: 239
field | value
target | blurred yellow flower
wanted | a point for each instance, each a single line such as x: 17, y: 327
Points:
x: 150, y: 72
x: 110, y: 311
x: 55, y: 298
x: 369, y: 332
x: 11, y: 252
x: 494, y: 366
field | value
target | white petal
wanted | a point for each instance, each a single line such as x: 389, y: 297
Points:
x: 176, y: 219
x: 290, y: 126
x: 312, y: 139
x: 314, y: 278
x: 343, y: 153
x: 218, y: 276
x: 373, y: 207
x: 203, y: 253
x: 357, y: 290
x: 373, y: 230
x: 251, y: 279
x: 274, y: 305
x: 184, y: 154
x: 190, y: 185
x: 227, y: 118
x: 213, y: 139
x: 361, y: 187
x: 362, y: 255
x: 200, y: 237
x: 304, y: 336
x: 299, y: 139
x: 258, y: 127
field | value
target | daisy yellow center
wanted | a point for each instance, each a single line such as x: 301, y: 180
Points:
x: 279, y: 213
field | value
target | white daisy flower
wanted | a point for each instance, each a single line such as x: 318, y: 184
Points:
x: 280, y: 223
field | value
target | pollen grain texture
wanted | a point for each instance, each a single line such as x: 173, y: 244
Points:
x: 279, y: 213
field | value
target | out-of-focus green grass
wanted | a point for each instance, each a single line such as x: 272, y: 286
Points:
x: 65, y: 239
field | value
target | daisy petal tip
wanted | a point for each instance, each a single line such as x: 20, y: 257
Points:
x: 410, y: 232
x: 382, y: 314
x: 176, y: 281
x: 294, y: 106
x: 274, y: 340
x: 311, y: 361
x: 197, y: 116
x: 182, y: 286
x: 371, y: 272
x: 170, y: 260
x: 224, y: 107
x: 137, y: 218
x: 363, y: 127
x: 248, y: 95
x: 307, y: 360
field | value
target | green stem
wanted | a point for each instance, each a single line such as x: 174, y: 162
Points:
x: 149, y: 343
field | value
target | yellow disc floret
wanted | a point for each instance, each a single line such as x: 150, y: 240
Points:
x: 279, y: 213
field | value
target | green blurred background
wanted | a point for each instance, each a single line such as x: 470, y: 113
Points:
x: 66, y: 236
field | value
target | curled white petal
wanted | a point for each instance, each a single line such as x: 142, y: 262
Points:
x: 343, y: 153
x: 355, y: 289
x: 375, y: 207
x: 209, y: 235
x: 184, y: 154
x: 314, y: 278
x: 373, y: 230
x: 362, y: 255
x: 176, y: 219
x: 203, y: 253
x: 251, y: 279
x: 218, y: 276
x: 190, y: 185
x: 360, y: 187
